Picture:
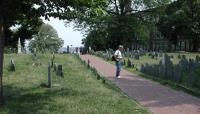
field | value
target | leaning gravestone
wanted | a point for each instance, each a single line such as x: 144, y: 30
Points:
x: 12, y: 65
x: 60, y: 71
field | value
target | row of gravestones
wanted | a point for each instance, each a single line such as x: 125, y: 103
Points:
x: 56, y: 68
x: 183, y: 72
x: 99, y: 77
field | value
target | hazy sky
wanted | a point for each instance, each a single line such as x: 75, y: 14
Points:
x: 69, y: 36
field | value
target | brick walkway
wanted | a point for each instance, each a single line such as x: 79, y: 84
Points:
x: 157, y: 98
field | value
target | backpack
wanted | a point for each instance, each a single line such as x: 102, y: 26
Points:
x: 114, y: 58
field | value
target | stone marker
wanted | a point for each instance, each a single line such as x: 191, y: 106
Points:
x: 59, y: 71
x: 55, y: 67
x: 49, y: 76
x: 88, y: 63
x: 129, y: 63
x: 12, y: 65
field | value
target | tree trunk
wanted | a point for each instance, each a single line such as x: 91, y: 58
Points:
x: 195, y: 44
x: 1, y: 58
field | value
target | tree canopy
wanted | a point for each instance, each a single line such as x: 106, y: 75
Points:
x: 46, y: 40
x: 123, y: 23
x: 181, y: 21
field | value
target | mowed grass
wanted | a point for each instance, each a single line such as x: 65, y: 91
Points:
x: 77, y: 93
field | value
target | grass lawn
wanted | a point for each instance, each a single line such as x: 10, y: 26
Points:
x: 78, y: 92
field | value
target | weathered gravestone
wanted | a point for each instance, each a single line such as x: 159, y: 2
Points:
x: 183, y: 57
x: 98, y: 77
x: 84, y: 62
x: 49, y: 76
x: 88, y: 63
x: 55, y: 67
x: 52, y: 63
x: 191, y: 79
x: 60, y: 71
x: 124, y: 62
x: 179, y: 56
x: 160, y: 54
x: 142, y: 68
x: 167, y: 67
x: 197, y: 59
x: 136, y: 56
x: 184, y: 64
x: 177, y: 73
x: 191, y: 65
x: 12, y: 65
x: 129, y: 63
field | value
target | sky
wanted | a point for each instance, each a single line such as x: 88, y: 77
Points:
x: 70, y: 36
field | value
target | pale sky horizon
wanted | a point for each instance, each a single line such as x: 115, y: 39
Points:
x: 68, y: 34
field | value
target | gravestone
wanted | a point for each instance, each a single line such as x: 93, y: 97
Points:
x: 68, y: 49
x: 129, y: 63
x: 179, y: 56
x: 88, y: 63
x: 49, y: 76
x: 197, y: 59
x: 52, y: 63
x: 60, y: 71
x: 136, y: 56
x: 124, y: 62
x: 19, y: 47
x: 184, y: 64
x: 177, y: 73
x: 12, y: 65
x: 55, y: 67
x: 160, y: 54
x: 98, y: 77
x: 191, y: 79
x: 183, y: 57
x: 191, y: 65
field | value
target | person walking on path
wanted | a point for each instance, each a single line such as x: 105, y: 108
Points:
x: 118, y: 58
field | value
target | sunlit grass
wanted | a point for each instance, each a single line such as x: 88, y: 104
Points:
x: 77, y: 93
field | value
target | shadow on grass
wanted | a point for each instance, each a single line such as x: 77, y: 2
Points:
x: 34, y: 100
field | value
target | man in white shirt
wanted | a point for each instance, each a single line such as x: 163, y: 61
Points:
x: 118, y: 57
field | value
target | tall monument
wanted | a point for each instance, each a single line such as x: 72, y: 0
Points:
x: 19, y: 47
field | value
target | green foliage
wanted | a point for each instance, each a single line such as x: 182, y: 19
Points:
x: 122, y: 24
x: 46, y: 40
x: 182, y: 22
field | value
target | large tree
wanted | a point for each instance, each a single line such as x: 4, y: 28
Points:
x: 12, y: 11
x: 123, y: 23
x: 46, y: 40
x: 181, y: 22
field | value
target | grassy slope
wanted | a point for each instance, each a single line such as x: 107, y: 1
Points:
x: 79, y: 92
